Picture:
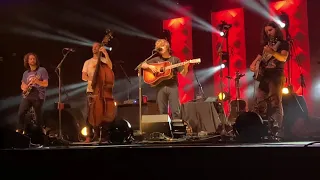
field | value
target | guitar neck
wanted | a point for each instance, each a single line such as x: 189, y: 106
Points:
x: 177, y: 65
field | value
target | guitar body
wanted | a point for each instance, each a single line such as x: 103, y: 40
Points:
x: 153, y: 79
x: 238, y: 105
x: 233, y: 112
x: 264, y: 61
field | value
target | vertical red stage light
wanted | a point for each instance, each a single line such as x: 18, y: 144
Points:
x: 237, y: 50
x: 181, y: 45
x: 298, y: 29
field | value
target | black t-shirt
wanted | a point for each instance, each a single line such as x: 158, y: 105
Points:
x: 275, y: 74
x: 276, y: 67
x: 174, y: 60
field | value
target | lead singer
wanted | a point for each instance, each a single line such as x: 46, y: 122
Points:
x: 167, y: 90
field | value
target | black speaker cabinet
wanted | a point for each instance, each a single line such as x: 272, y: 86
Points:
x: 130, y: 112
x: 294, y: 108
x: 157, y: 124
x: 10, y: 139
x: 72, y: 121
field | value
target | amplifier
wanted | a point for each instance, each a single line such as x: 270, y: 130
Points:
x: 130, y: 112
x: 157, y: 124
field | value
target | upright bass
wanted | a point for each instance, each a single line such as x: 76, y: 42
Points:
x: 102, y: 109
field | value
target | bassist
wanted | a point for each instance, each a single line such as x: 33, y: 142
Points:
x: 272, y: 78
x: 33, y: 85
x: 88, y: 72
x: 167, y: 90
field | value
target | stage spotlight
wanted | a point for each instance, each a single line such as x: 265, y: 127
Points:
x: 224, y: 28
x: 249, y: 127
x: 285, y: 90
x: 120, y: 131
x: 85, y: 131
x: 282, y: 24
x: 223, y: 96
x: 284, y: 20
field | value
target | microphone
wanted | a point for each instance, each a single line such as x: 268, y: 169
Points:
x: 70, y: 49
x: 158, y: 49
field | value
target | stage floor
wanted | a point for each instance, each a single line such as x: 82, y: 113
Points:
x: 162, y: 157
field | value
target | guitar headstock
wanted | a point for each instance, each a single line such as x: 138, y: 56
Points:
x: 107, y: 37
x: 194, y: 61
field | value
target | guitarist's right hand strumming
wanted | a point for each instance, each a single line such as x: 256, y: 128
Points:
x: 153, y: 68
x: 26, y: 88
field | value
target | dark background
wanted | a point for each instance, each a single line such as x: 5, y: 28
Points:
x: 129, y: 49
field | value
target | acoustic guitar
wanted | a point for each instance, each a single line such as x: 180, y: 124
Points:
x: 164, y: 71
x: 237, y: 105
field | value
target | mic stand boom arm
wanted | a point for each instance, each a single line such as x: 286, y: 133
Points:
x: 200, y: 86
x: 140, y: 93
x: 125, y: 74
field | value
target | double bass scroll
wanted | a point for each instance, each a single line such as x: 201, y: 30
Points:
x: 102, y: 108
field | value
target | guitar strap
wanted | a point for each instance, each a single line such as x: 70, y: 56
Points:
x: 275, y: 49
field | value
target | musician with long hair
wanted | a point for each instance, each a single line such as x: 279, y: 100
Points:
x: 33, y: 85
x: 272, y: 78
x: 167, y: 90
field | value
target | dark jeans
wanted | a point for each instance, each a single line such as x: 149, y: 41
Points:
x: 269, y: 100
x: 25, y: 106
x: 89, y: 101
x: 169, y: 95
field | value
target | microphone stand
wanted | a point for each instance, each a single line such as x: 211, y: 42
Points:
x: 128, y: 89
x: 200, y: 87
x: 223, y: 132
x: 302, y: 83
x: 60, y: 106
x: 140, y: 92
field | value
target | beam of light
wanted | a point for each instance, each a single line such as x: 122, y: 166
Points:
x: 15, y: 100
x: 64, y: 96
x: 44, y: 26
x: 73, y: 17
x: 105, y: 17
x: 266, y: 6
x: 155, y: 11
x: 43, y: 35
x: 55, y: 91
x: 122, y: 87
x: 202, y: 24
x: 202, y: 76
x: 256, y: 7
